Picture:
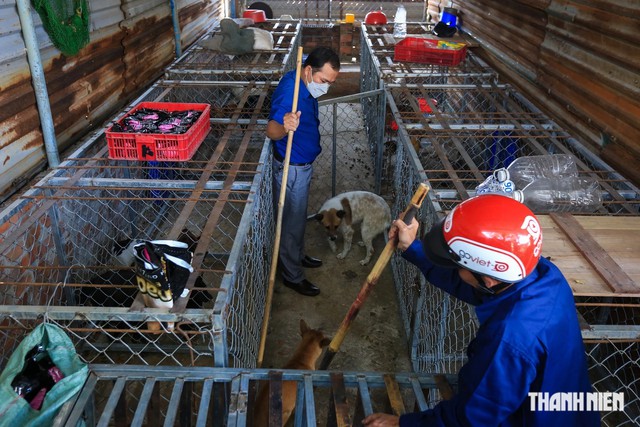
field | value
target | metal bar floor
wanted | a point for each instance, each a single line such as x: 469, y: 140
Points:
x: 143, y: 395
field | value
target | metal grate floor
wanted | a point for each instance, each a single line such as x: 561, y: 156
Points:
x: 215, y: 396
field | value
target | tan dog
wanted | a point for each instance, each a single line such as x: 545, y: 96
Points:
x: 340, y: 213
x: 304, y: 358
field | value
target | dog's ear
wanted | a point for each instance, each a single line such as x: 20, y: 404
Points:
x: 303, y: 327
x: 325, y: 342
x: 341, y: 214
x: 318, y: 216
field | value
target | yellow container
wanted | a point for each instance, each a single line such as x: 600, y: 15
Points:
x: 349, y: 18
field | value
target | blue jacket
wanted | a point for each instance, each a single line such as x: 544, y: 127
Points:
x: 306, y: 139
x: 529, y: 341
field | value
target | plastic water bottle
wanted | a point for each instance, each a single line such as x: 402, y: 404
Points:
x: 400, y: 22
x: 561, y: 194
x: 525, y: 170
x: 497, y: 183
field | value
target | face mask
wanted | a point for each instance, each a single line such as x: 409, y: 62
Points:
x: 317, y: 89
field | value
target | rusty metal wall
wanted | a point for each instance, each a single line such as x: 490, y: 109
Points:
x: 577, y: 60
x: 131, y: 43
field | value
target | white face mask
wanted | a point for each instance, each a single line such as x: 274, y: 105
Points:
x: 317, y: 89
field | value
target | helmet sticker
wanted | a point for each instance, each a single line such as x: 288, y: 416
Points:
x: 448, y: 222
x: 488, y: 260
x: 531, y: 226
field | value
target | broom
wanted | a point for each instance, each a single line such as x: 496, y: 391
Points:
x: 283, y: 193
x: 408, y: 214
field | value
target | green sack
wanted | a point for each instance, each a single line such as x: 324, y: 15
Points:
x: 15, y: 409
x: 66, y: 22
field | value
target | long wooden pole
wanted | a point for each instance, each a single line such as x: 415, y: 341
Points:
x: 283, y: 193
x: 372, y: 278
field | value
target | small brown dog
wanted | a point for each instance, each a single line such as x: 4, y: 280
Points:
x: 304, y: 358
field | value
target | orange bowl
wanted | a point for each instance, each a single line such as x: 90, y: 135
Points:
x: 256, y: 14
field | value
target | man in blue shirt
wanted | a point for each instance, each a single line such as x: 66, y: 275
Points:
x: 320, y: 70
x: 486, y: 252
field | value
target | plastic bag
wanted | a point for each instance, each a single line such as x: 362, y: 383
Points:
x: 15, y: 409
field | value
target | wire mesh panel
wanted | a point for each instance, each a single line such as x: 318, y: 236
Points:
x: 202, y: 63
x: 350, y: 131
x: 378, y: 46
x: 462, y: 133
x: 231, y: 102
x: 614, y: 367
x: 64, y: 258
x: 134, y: 395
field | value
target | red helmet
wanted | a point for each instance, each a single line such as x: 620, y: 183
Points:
x: 492, y: 235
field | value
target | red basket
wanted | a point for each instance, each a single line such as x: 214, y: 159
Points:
x: 413, y: 49
x: 159, y: 146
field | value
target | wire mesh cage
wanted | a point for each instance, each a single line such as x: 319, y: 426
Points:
x: 64, y: 253
x: 462, y: 133
x: 451, y: 127
x: 378, y: 46
x: 205, y: 64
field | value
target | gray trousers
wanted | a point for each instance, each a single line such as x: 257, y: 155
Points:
x: 294, y: 218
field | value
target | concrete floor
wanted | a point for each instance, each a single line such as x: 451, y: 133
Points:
x: 376, y: 339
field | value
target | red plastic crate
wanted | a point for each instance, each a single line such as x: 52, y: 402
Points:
x: 413, y: 49
x: 160, y: 146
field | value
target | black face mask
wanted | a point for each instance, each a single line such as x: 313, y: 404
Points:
x: 484, y: 289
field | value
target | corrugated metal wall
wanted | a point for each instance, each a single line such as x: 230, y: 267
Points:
x: 131, y: 43
x: 579, y: 60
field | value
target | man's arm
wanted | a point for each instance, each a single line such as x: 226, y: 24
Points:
x: 446, y: 279
x: 492, y: 386
x: 277, y: 131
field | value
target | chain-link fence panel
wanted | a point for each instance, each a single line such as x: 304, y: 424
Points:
x: 614, y: 366
x: 350, y: 131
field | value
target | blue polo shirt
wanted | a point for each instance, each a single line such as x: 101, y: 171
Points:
x: 306, y: 139
x: 529, y: 340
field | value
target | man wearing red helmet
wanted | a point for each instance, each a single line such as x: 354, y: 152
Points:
x: 486, y: 252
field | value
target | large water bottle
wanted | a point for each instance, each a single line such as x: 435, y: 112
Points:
x: 497, y: 183
x: 525, y: 170
x: 561, y: 194
x: 400, y: 22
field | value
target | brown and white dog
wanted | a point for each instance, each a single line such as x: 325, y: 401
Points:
x: 340, y: 213
x: 304, y: 358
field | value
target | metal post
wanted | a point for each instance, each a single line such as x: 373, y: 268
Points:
x: 39, y: 83
x: 379, y: 133
x: 334, y: 138
x: 176, y: 27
